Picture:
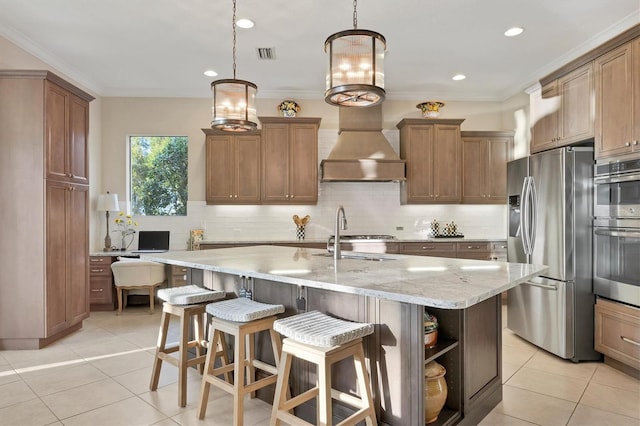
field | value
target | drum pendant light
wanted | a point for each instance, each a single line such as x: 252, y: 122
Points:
x: 234, y: 101
x: 355, y: 76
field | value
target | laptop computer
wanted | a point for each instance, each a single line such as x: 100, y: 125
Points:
x: 153, y: 242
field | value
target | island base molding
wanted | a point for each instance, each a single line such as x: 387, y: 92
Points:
x: 469, y: 347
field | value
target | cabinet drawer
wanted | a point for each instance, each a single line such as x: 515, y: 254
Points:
x: 618, y: 331
x: 176, y: 275
x: 100, y: 290
x: 429, y: 249
x: 100, y: 266
x: 473, y: 247
x: 178, y: 270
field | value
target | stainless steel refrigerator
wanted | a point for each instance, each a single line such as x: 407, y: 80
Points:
x: 550, y: 219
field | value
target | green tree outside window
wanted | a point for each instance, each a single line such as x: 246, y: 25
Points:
x: 158, y: 175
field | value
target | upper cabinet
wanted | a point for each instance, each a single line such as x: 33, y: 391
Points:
x: 289, y: 160
x: 233, y: 168
x: 432, y: 150
x: 618, y: 101
x: 484, y: 166
x: 66, y: 135
x: 562, y: 110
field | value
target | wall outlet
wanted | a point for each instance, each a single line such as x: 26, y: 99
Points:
x: 399, y: 228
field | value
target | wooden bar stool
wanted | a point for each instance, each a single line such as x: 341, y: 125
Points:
x: 240, y: 318
x: 186, y: 303
x: 322, y: 340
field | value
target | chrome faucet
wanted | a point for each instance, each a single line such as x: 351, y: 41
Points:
x: 339, y: 224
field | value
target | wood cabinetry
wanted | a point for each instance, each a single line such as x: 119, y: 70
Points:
x: 44, y: 289
x: 176, y: 275
x: 617, y: 332
x: 429, y: 249
x: 562, y: 110
x: 101, y: 283
x: 289, y: 160
x: 232, y: 168
x: 484, y: 166
x: 617, y: 86
x: 432, y: 150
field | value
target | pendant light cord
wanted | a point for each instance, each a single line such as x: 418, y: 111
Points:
x: 234, y: 39
x: 355, y: 14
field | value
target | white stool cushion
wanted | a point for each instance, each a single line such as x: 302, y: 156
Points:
x: 189, y: 295
x: 242, y: 310
x: 317, y: 329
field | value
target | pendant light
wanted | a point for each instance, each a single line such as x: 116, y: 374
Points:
x: 355, y: 76
x: 234, y: 101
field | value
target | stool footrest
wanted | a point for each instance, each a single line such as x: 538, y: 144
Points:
x: 264, y: 366
x: 347, y: 398
x: 259, y: 384
x: 292, y: 403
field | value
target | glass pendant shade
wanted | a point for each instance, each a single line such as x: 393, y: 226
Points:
x: 234, y: 105
x: 355, y: 76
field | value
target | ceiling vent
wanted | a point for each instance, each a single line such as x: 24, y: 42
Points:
x: 266, y: 53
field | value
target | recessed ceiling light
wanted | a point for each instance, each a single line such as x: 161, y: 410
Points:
x: 245, y: 23
x: 210, y: 73
x: 514, y: 31
x: 458, y: 77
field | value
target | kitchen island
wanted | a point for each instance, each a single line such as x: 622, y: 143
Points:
x: 390, y: 291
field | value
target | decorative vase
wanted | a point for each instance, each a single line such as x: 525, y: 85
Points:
x: 288, y: 108
x: 435, y: 391
x: 430, y: 109
x: 300, y: 232
x: 288, y: 113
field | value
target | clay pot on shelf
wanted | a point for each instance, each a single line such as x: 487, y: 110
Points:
x: 435, y: 391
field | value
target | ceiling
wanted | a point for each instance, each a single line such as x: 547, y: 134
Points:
x: 161, y: 48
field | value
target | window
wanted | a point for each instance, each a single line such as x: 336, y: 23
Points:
x: 158, y: 175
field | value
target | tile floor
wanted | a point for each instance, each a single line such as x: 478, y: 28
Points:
x: 100, y: 374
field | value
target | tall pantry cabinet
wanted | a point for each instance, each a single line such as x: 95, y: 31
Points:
x: 44, y: 187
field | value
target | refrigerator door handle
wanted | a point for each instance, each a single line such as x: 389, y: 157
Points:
x: 534, y: 215
x: 524, y: 214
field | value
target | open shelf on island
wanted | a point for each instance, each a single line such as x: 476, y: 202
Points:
x: 442, y: 347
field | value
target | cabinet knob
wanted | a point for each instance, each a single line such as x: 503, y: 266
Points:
x: 230, y: 195
x: 235, y: 196
x: 292, y: 196
x: 97, y: 290
x: 437, y: 195
x: 97, y: 270
x: 635, y: 142
x: 627, y: 144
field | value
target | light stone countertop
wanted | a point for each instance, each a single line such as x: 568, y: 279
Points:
x: 324, y: 240
x: 429, y: 281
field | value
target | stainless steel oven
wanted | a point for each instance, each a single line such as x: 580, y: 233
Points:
x: 616, y: 230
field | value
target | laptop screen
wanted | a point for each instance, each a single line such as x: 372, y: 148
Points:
x: 153, y: 240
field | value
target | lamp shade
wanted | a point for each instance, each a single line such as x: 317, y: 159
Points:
x: 108, y: 202
x: 234, y: 105
x: 355, y: 75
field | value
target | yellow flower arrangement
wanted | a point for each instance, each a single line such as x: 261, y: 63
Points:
x: 125, y: 227
x: 288, y: 108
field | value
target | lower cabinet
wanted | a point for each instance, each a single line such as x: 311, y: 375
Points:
x: 176, y: 275
x: 429, y: 249
x: 101, y: 287
x: 617, y: 332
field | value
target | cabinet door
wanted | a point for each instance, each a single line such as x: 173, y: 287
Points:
x: 499, y: 149
x: 275, y: 165
x: 78, y: 140
x: 57, y: 221
x: 303, y: 164
x: 78, y: 254
x: 545, y: 104
x: 474, y: 164
x: 56, y: 132
x: 614, y: 102
x: 219, y: 174
x: 447, y: 178
x: 418, y: 154
x: 247, y: 169
x: 577, y: 105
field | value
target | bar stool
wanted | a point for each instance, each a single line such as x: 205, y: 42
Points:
x: 322, y: 340
x: 240, y: 318
x: 186, y: 303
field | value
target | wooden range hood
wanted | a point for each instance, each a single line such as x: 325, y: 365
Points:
x: 361, y: 152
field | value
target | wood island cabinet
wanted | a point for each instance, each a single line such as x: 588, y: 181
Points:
x: 289, y: 160
x: 562, y: 110
x: 44, y: 287
x: 617, y: 85
x: 432, y: 150
x: 484, y: 166
x: 232, y: 168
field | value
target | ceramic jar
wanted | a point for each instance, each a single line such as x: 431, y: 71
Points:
x: 435, y: 391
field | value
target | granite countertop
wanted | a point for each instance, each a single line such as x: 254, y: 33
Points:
x: 429, y: 281
x: 324, y: 240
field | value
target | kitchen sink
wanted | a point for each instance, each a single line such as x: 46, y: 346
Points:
x: 359, y: 256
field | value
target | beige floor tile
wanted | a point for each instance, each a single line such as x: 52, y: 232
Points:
x: 85, y: 398
x: 165, y: 422
x: 8, y: 375
x: 131, y: 412
x: 609, y: 376
x: 549, y: 384
x: 62, y: 378
x: 547, y: 362
x: 53, y: 354
x: 510, y: 339
x: 94, y: 350
x: 612, y: 399
x: 220, y: 413
x: 589, y: 416
x: 14, y: 393
x: 138, y: 381
x: 508, y: 370
x: 517, y: 356
x: 534, y: 407
x: 495, y: 418
x: 121, y: 363
x: 33, y: 412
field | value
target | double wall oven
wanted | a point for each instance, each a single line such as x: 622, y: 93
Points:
x: 616, y: 231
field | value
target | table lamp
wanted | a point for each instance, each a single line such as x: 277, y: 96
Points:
x: 106, y: 203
